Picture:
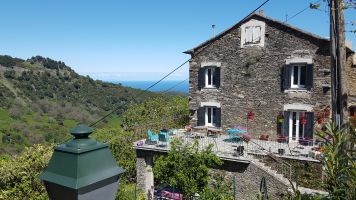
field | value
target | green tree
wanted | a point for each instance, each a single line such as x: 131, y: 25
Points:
x: 186, y: 167
x: 157, y: 113
x: 338, y: 161
x: 120, y: 143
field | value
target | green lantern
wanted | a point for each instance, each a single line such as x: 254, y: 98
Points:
x: 82, y: 168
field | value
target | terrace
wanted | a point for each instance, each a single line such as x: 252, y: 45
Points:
x: 231, y: 148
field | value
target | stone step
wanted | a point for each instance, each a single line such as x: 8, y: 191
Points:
x: 270, y: 171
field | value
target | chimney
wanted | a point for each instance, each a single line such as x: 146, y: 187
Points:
x: 261, y: 12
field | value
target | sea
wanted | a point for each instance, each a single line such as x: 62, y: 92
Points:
x: 172, y: 86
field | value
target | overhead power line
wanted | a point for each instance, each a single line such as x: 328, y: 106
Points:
x: 300, y: 12
x: 139, y: 94
x: 157, y: 82
x: 174, y: 86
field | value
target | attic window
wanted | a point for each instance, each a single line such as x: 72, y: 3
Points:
x: 253, y: 33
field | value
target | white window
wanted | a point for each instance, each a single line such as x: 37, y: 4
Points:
x: 296, y: 128
x: 210, y: 77
x: 298, y: 76
x: 210, y: 116
x: 253, y: 33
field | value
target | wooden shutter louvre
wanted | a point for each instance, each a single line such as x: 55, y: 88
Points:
x: 201, y: 116
x: 201, y: 78
x: 309, y: 127
x: 217, y: 77
x: 286, y: 124
x: 309, y: 77
x: 217, y: 118
x: 286, y: 79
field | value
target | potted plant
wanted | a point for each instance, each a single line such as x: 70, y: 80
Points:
x: 280, y: 118
x: 250, y: 115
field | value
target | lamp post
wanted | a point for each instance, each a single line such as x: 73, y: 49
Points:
x: 81, y: 169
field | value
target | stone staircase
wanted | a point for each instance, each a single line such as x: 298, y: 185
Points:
x: 280, y: 177
x: 269, y: 170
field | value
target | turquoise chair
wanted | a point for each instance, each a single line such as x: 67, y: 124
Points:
x: 152, y: 137
x: 163, y: 138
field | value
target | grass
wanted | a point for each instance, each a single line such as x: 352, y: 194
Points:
x: 5, y: 119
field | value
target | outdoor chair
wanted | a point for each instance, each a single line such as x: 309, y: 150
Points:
x: 306, y: 141
x: 163, y: 138
x: 264, y: 137
x: 152, y: 138
x: 282, y: 139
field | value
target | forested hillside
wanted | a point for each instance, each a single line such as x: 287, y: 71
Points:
x: 40, y: 99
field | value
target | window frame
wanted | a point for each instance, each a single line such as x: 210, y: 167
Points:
x: 298, y: 85
x: 252, y: 32
x: 213, y: 114
x: 244, y: 35
x: 212, y: 77
x: 299, y: 128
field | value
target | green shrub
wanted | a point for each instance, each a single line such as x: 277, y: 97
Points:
x: 186, y: 168
x: 10, y: 74
x: 19, y: 175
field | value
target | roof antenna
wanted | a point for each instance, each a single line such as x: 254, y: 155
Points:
x: 213, y: 28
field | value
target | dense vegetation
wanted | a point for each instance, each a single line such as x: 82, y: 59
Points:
x: 20, y: 173
x: 40, y: 99
x: 187, y: 169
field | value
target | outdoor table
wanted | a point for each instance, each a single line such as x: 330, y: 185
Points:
x: 204, y: 130
x: 235, y: 133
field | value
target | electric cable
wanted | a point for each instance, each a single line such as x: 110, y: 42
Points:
x: 157, y: 82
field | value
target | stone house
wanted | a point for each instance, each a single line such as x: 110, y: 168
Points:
x: 277, y: 73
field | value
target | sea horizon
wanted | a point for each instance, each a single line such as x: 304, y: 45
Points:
x: 171, y: 85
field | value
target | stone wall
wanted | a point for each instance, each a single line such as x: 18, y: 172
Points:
x: 251, y: 77
x: 144, y: 164
x: 248, y: 179
x: 248, y: 176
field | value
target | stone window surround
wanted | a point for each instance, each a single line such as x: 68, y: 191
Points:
x: 210, y: 104
x: 291, y: 61
x: 298, y: 107
x: 210, y: 64
x: 253, y: 22
x: 298, y: 61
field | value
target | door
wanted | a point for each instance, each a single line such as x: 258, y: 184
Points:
x: 296, y: 129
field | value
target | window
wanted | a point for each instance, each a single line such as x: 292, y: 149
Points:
x: 209, y: 77
x: 298, y: 76
x: 298, y: 125
x: 209, y: 116
x: 253, y: 33
x: 296, y: 130
x: 352, y: 111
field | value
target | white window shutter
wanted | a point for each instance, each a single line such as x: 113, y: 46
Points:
x: 256, y: 34
x: 248, y: 35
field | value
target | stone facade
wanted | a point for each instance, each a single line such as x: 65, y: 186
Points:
x: 248, y: 176
x: 251, y: 78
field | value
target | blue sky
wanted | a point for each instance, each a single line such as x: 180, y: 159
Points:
x: 131, y: 39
